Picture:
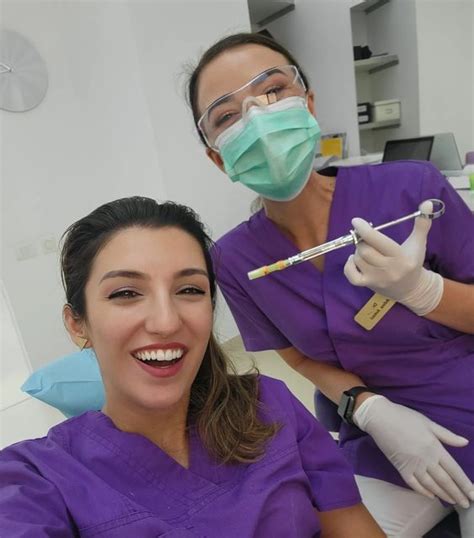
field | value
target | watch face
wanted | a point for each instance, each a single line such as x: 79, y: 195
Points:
x: 350, y: 409
x: 344, y: 405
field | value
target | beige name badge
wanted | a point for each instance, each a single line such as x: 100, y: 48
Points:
x: 373, y: 311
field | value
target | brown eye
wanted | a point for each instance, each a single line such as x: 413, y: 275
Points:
x: 224, y: 119
x: 191, y: 290
x: 123, y: 294
x: 274, y: 89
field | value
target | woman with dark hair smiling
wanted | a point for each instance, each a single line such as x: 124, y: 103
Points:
x: 183, y: 447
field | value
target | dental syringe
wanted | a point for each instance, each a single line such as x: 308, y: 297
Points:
x: 352, y: 238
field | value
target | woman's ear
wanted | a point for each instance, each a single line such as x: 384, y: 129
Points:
x: 76, y: 328
x: 311, y: 102
x: 215, y: 158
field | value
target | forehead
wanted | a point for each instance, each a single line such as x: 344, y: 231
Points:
x: 232, y: 69
x: 147, y: 250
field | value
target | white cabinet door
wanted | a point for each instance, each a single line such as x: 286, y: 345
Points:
x: 14, y: 363
x: 28, y: 419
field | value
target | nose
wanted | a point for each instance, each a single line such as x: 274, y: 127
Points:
x: 163, y: 317
x: 257, y: 100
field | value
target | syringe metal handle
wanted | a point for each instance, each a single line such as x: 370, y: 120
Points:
x: 400, y: 220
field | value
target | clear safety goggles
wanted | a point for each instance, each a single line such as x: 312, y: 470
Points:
x: 270, y: 86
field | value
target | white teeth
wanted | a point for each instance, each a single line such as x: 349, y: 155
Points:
x: 159, y: 354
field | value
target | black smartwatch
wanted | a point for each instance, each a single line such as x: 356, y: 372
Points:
x: 348, y: 401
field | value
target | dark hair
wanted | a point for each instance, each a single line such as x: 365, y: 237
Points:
x: 227, y: 43
x: 223, y: 405
x: 83, y: 240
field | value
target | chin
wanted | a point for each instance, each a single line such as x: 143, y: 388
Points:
x: 165, y: 400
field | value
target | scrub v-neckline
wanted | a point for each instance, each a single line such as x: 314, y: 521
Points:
x: 292, y: 249
x: 154, y: 465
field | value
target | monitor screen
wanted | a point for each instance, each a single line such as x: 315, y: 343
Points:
x: 418, y: 149
x: 445, y: 154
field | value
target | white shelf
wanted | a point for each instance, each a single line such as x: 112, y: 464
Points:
x: 262, y: 12
x: 376, y: 63
x: 367, y: 5
x: 379, y: 125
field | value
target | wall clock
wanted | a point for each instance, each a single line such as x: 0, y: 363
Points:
x: 23, y: 73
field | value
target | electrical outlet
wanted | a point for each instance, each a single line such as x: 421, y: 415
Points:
x: 48, y: 244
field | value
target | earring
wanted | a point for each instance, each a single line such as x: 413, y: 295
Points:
x: 83, y: 342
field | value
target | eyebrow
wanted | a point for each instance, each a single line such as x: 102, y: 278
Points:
x: 127, y: 273
x: 271, y: 71
x: 226, y: 97
x: 124, y: 273
x: 219, y: 101
x: 190, y: 271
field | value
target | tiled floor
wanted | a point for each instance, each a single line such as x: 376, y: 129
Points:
x: 271, y: 364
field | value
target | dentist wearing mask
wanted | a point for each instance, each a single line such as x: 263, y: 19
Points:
x: 404, y: 386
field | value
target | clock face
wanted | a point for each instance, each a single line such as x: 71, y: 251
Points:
x: 23, y: 74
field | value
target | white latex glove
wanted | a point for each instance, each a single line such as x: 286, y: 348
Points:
x: 393, y: 270
x: 413, y: 444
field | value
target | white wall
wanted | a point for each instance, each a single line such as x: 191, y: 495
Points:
x: 392, y: 29
x: 359, y: 27
x: 15, y: 366
x: 166, y: 46
x: 16, y: 408
x: 318, y: 33
x: 165, y: 57
x: 113, y: 123
x: 446, y: 68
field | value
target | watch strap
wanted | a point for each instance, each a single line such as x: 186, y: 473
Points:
x: 348, y: 400
x: 355, y: 391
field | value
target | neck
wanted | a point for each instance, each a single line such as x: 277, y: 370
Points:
x: 305, y: 218
x: 165, y: 428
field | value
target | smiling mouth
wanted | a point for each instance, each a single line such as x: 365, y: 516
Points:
x: 159, y: 358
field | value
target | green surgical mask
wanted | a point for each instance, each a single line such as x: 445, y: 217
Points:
x: 271, y: 149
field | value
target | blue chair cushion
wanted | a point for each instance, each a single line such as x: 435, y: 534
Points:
x: 71, y: 384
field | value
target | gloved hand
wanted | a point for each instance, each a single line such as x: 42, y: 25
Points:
x: 413, y: 444
x: 393, y: 270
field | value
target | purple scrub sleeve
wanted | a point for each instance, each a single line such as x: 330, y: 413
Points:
x: 331, y: 477
x: 408, y: 358
x: 256, y: 329
x: 30, y: 504
x: 87, y: 478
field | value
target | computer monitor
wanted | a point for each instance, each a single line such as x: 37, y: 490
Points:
x: 445, y: 154
x: 418, y: 149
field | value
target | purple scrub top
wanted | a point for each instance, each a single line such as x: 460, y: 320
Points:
x: 411, y: 360
x: 87, y: 478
